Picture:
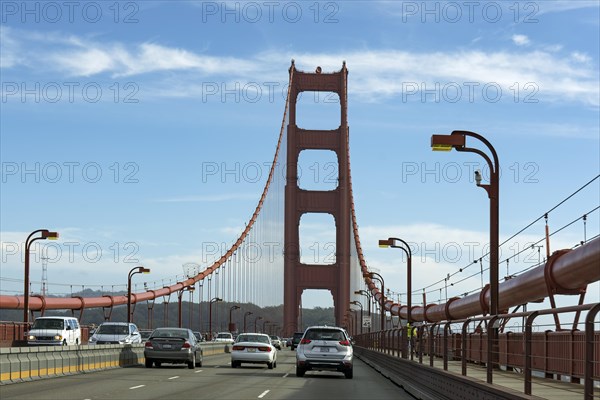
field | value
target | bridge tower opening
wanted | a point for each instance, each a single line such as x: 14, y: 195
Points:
x: 299, y: 276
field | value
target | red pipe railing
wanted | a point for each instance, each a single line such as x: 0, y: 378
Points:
x: 41, y: 303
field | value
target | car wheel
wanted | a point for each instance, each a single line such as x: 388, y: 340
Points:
x: 199, y: 364
x: 275, y: 364
x: 234, y: 364
x: 192, y: 364
x: 300, y: 372
x: 348, y: 374
x: 157, y: 364
x: 148, y: 363
x: 270, y: 365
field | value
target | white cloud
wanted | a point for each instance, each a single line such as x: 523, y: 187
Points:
x: 563, y: 5
x: 520, y: 40
x: 580, y: 57
x: 557, y: 77
x: 209, y: 198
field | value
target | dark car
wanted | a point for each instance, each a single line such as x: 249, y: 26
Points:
x: 145, y: 333
x: 173, y: 345
x: 296, y: 339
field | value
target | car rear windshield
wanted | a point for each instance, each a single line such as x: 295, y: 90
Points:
x: 324, y: 334
x: 172, y: 333
x: 253, y: 338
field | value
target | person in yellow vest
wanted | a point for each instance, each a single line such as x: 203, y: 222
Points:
x: 412, y: 333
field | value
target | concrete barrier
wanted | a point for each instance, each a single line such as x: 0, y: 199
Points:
x: 5, y: 364
x: 19, y: 364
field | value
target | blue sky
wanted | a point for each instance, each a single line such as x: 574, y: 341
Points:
x: 119, y: 122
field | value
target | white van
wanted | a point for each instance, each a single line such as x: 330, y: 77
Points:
x: 54, y: 331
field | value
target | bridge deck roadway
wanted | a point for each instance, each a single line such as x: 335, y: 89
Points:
x: 215, y: 380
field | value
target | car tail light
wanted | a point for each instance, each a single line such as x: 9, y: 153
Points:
x: 186, y: 345
x: 148, y: 345
x: 264, y: 348
x: 238, y: 348
x: 305, y: 341
x: 345, y: 343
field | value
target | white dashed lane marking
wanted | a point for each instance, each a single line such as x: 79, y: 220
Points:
x: 263, y: 394
x: 137, y: 387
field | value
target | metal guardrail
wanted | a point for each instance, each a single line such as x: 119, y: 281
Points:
x: 565, y: 353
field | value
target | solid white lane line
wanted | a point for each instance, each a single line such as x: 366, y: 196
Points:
x: 286, y: 375
x: 173, y: 377
x: 137, y: 387
x: 263, y: 394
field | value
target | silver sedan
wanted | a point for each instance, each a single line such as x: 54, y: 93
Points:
x: 253, y: 348
x: 173, y: 345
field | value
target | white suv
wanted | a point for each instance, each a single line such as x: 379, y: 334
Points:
x: 116, y: 333
x: 223, y: 337
x: 324, y: 348
x: 54, y: 331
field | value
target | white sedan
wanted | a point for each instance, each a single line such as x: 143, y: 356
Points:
x: 253, y: 348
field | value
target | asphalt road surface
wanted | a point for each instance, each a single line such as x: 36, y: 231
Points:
x: 215, y: 380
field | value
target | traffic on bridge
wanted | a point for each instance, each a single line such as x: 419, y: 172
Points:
x: 440, y: 293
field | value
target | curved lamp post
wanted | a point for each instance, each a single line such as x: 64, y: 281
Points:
x: 132, y: 272
x: 255, y: 320
x: 45, y: 234
x: 190, y: 289
x: 392, y: 242
x: 231, y: 325
x: 375, y: 275
x: 352, y: 320
x: 456, y: 140
x: 358, y: 303
x: 245, y: 315
x: 213, y: 300
x: 264, y: 323
x: 366, y: 293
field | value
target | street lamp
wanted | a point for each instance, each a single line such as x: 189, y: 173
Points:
x: 264, y: 323
x: 255, y: 320
x: 352, y: 321
x: 213, y: 300
x: 375, y: 275
x: 45, y: 234
x: 132, y: 272
x: 358, y: 303
x: 245, y: 315
x: 190, y: 289
x: 231, y: 325
x: 391, y: 242
x: 456, y: 140
x: 365, y: 293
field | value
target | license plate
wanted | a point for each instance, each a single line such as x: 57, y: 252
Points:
x: 251, y: 349
x: 324, y: 349
x: 166, y: 346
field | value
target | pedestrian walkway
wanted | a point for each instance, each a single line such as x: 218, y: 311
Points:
x: 540, y: 387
